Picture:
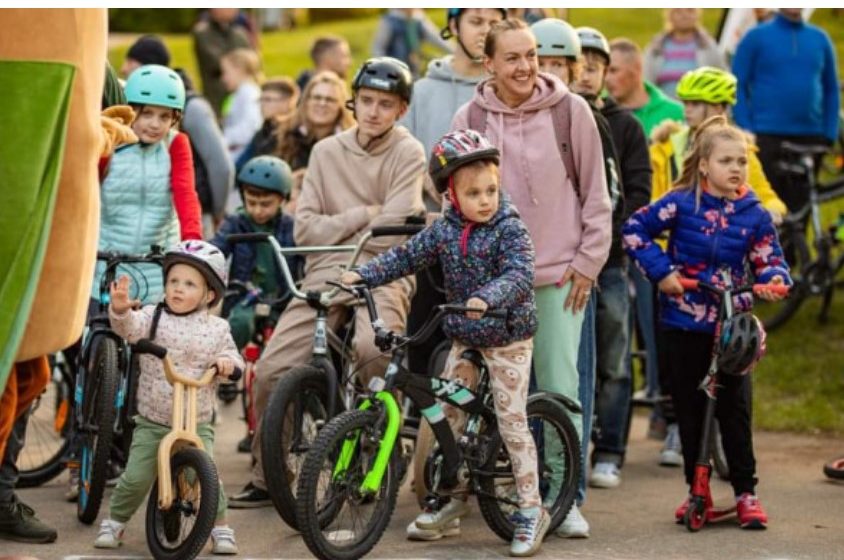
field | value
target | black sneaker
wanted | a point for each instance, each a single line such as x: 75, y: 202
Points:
x: 245, y: 445
x: 250, y: 497
x: 18, y: 523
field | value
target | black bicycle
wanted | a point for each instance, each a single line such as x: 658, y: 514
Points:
x: 308, y: 395
x: 104, y: 396
x: 814, y: 264
x: 350, y: 477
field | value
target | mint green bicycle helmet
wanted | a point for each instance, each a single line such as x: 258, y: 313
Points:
x: 155, y: 85
x: 708, y: 84
x: 555, y: 37
x: 267, y: 173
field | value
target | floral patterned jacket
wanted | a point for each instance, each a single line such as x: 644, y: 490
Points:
x: 494, y: 263
x: 705, y: 237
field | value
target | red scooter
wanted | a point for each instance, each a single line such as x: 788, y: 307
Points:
x: 701, y: 509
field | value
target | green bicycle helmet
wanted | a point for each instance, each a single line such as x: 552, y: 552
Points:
x: 267, y: 173
x: 155, y: 85
x: 708, y: 84
x: 594, y: 40
x: 555, y: 37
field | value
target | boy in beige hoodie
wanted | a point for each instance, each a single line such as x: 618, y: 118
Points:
x: 367, y: 176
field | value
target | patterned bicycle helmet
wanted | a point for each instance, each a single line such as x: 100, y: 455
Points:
x: 555, y: 37
x: 267, y: 173
x: 206, y: 258
x: 155, y: 85
x: 594, y: 40
x: 708, y: 84
x: 741, y: 345
x: 455, y: 150
x: 385, y: 73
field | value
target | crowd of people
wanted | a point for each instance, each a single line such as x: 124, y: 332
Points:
x: 554, y: 158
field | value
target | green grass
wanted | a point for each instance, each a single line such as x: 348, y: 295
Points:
x: 800, y: 384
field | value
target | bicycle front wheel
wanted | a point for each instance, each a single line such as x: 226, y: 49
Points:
x: 97, y: 429
x: 180, y: 532
x: 296, y: 412
x: 338, y: 520
x: 558, y: 468
x: 49, y: 432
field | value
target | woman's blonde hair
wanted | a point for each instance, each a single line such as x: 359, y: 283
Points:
x: 287, y: 143
x: 247, y: 60
x: 707, y: 135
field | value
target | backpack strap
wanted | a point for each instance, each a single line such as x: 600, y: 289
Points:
x: 156, y: 317
x: 560, y: 116
x: 477, y: 117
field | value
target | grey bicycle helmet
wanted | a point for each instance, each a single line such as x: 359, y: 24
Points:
x: 593, y: 40
x: 741, y: 344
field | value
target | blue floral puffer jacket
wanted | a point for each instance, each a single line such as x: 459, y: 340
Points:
x: 704, y: 238
x: 498, y: 268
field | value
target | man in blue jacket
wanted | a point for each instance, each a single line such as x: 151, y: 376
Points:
x: 787, y: 91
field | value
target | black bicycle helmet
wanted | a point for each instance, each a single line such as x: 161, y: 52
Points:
x: 455, y: 150
x: 384, y: 73
x: 454, y: 13
x: 741, y: 345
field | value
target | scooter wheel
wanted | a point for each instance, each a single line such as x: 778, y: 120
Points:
x: 695, y: 516
x: 835, y: 469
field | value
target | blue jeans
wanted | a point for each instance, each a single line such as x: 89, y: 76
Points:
x: 586, y: 386
x: 612, y: 400
x: 647, y: 327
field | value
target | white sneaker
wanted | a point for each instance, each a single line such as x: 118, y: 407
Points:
x: 223, y: 540
x: 672, y: 451
x: 530, y: 530
x: 451, y: 529
x: 72, y: 493
x: 454, y: 509
x: 574, y: 526
x: 110, y: 535
x: 605, y: 475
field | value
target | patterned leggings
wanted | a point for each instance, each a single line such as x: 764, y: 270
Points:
x: 509, y: 368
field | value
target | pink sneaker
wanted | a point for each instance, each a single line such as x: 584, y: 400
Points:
x: 750, y: 512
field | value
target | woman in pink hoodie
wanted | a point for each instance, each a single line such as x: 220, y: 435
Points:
x: 568, y: 214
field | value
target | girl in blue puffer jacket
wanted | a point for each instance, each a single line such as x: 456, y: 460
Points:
x: 487, y: 259
x: 714, y: 221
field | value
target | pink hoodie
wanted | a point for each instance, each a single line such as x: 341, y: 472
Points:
x: 566, y: 231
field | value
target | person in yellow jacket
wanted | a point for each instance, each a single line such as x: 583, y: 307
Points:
x: 705, y: 92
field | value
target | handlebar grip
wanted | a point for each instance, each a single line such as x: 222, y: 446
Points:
x: 488, y: 314
x: 781, y: 289
x: 496, y: 314
x: 410, y: 229
x: 146, y: 346
x: 689, y: 283
x: 236, y: 374
x: 248, y: 237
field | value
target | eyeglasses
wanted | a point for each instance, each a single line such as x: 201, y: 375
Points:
x: 323, y: 99
x: 272, y: 99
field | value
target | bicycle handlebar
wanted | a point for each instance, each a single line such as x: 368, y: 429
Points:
x: 146, y: 346
x: 279, y: 251
x: 693, y: 284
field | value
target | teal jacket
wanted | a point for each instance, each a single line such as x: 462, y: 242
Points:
x: 136, y: 211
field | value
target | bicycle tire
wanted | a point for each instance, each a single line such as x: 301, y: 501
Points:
x: 161, y: 526
x: 100, y: 392
x: 491, y: 510
x: 51, y: 417
x: 776, y: 314
x: 716, y: 452
x: 834, y: 469
x: 303, y: 388
x: 312, y: 518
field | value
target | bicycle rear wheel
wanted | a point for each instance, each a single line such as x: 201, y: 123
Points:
x: 296, y: 412
x: 558, y: 453
x: 49, y: 431
x: 774, y: 314
x: 98, y: 415
x: 180, y: 533
x: 338, y: 521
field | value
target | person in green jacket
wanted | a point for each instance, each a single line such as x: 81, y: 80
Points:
x: 212, y: 38
x: 627, y: 85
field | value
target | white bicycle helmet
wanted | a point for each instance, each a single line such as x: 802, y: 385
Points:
x: 206, y: 258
